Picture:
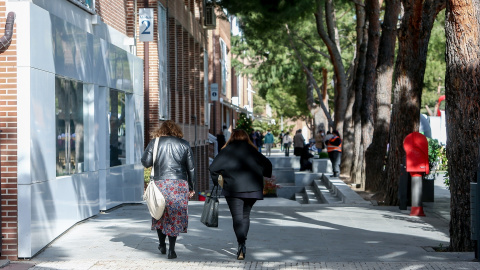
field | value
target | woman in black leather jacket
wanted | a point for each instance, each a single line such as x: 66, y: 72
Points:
x: 243, y: 169
x: 174, y: 175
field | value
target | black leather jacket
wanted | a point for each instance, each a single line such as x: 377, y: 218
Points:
x: 174, y: 160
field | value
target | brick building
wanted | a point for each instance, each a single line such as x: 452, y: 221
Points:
x: 72, y: 94
x: 82, y: 93
x: 176, y: 82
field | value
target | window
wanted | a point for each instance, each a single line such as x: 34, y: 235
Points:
x: 224, y: 65
x: 162, y: 64
x: 88, y: 5
x: 117, y: 128
x: 69, y: 126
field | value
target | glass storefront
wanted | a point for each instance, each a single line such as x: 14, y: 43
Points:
x: 69, y: 126
x: 117, y: 128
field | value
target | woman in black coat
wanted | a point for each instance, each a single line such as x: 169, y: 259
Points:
x: 243, y: 169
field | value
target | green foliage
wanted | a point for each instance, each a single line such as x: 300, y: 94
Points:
x: 146, y: 174
x: 446, y: 180
x: 442, y: 158
x: 434, y: 150
x: 265, y: 54
x: 436, y: 65
x: 244, y: 123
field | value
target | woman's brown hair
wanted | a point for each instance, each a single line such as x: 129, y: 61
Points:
x: 239, y: 135
x: 168, y: 128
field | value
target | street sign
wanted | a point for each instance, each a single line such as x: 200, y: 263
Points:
x: 214, y: 92
x: 145, y: 17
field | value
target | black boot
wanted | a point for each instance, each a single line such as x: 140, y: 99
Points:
x: 171, y: 247
x: 161, y: 238
x: 242, y: 251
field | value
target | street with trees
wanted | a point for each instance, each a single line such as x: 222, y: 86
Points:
x: 362, y: 67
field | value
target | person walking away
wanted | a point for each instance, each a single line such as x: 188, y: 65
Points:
x: 305, y: 163
x: 298, y: 143
x: 280, y: 139
x: 174, y: 175
x: 334, y: 149
x: 220, y: 141
x: 226, y: 133
x: 259, y: 141
x: 287, y: 142
x: 243, y: 169
x: 319, y: 141
x: 269, y: 140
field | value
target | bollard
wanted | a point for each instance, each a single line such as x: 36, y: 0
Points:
x: 416, y: 150
x: 417, y: 207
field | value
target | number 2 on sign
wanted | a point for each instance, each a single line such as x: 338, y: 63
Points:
x: 147, y: 24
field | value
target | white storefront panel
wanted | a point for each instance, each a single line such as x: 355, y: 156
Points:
x: 56, y: 49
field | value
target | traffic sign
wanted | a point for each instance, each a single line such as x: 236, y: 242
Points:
x: 214, y: 92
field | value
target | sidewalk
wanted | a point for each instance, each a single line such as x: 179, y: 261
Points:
x: 283, y: 235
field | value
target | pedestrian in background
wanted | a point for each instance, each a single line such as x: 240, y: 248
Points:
x: 287, y: 142
x: 220, y: 141
x: 305, y: 163
x: 334, y: 149
x: 243, y: 169
x: 280, y: 138
x: 259, y: 141
x: 319, y: 141
x: 174, y: 175
x: 298, y: 143
x: 269, y: 140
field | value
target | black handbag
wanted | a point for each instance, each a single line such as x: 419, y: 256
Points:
x: 210, y: 209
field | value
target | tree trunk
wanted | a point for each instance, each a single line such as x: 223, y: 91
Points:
x: 338, y: 67
x: 359, y: 80
x: 375, y: 155
x: 350, y: 141
x: 462, y: 92
x: 368, y: 97
x: 413, y: 40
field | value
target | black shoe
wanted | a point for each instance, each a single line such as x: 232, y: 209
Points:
x: 242, y: 251
x: 172, y: 254
x: 163, y: 249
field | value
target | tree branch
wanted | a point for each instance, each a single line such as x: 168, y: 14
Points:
x: 310, y: 77
x: 357, y: 2
x: 309, y: 45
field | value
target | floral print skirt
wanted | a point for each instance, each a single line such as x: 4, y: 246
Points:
x: 175, y: 216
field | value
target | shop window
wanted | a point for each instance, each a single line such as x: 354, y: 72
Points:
x: 117, y: 128
x: 224, y: 66
x: 163, y: 98
x: 88, y: 5
x: 69, y: 125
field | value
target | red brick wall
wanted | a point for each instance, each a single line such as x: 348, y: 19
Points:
x: 8, y: 140
x: 114, y: 13
x: 186, y: 41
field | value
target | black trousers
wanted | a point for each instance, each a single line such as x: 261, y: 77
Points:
x: 286, y: 146
x: 240, y: 209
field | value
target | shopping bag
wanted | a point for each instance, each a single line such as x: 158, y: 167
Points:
x: 155, y: 200
x: 153, y: 196
x: 210, y: 209
x: 220, y: 180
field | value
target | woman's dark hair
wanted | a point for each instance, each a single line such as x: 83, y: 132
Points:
x: 239, y: 135
x: 168, y: 128
x: 336, y: 133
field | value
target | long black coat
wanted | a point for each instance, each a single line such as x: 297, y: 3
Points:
x: 241, y: 166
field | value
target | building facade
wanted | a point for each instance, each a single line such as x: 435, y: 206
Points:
x: 73, y: 123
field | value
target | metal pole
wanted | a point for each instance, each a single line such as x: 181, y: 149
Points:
x: 417, y: 207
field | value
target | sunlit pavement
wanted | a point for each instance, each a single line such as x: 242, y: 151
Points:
x: 283, y: 235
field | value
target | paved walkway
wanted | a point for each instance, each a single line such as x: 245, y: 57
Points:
x: 283, y: 235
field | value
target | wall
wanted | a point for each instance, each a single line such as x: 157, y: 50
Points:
x: 185, y: 77
x: 8, y: 140
x: 57, y: 38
